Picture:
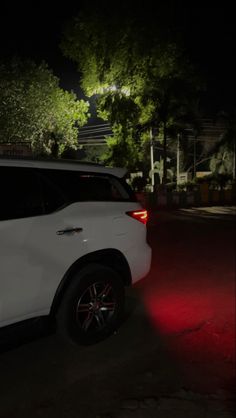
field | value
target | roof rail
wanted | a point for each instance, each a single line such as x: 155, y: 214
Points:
x: 49, y: 159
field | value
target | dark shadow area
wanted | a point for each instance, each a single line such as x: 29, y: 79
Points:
x: 14, y: 336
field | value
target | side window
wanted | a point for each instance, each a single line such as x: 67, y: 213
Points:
x: 53, y: 196
x: 20, y: 193
x: 65, y: 187
x: 58, y: 188
x: 119, y: 192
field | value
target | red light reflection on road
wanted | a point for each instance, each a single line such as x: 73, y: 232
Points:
x: 174, y: 312
x: 190, y: 311
x: 197, y: 324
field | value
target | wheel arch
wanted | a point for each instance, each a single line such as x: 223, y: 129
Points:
x: 107, y: 257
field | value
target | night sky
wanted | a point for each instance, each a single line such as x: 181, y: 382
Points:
x: 34, y: 30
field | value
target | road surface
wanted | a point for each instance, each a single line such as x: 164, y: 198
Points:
x: 174, y: 355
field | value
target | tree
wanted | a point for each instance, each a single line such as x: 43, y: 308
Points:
x: 93, y: 153
x: 122, y: 149
x: 222, y: 161
x: 221, y: 155
x: 35, y: 109
x: 228, y: 139
x: 228, y: 118
x: 141, y: 76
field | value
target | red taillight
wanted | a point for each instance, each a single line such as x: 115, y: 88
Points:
x: 139, y: 215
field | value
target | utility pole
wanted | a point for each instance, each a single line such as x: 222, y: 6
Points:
x: 178, y: 159
x: 152, y: 161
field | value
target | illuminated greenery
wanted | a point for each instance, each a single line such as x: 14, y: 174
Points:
x: 34, y: 108
x: 140, y: 76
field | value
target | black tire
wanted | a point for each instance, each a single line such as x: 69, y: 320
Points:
x: 92, y: 306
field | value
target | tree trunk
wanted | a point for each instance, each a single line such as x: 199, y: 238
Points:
x: 55, y: 146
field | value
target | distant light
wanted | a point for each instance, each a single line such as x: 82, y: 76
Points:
x: 125, y: 91
x: 104, y: 89
x: 112, y: 88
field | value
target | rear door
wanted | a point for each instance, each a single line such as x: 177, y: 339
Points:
x: 33, y: 256
x: 21, y: 205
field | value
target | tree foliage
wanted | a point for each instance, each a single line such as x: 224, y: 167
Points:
x: 34, y: 108
x: 140, y: 75
x: 222, y: 162
x: 229, y: 120
x: 122, y: 149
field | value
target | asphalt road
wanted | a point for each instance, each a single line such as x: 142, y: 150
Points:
x: 174, y: 355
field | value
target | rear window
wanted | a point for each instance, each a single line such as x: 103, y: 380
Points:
x: 78, y: 186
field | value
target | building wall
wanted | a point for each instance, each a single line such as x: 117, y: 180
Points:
x: 18, y: 149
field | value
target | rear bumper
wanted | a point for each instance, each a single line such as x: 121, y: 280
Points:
x: 139, y: 260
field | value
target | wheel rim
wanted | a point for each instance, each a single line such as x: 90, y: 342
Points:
x: 96, y: 307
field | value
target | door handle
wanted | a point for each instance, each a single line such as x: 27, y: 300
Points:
x: 69, y: 231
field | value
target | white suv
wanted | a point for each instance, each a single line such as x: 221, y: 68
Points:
x: 72, y: 236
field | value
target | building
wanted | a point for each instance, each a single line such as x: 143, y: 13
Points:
x: 21, y: 149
